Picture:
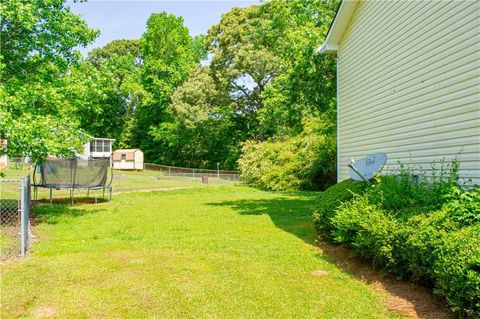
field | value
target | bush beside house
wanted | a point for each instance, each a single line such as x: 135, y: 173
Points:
x: 428, y: 232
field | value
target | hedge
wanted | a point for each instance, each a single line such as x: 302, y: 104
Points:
x: 428, y: 233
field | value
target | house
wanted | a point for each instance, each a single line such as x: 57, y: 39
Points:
x: 97, y: 148
x: 408, y: 82
x: 128, y: 159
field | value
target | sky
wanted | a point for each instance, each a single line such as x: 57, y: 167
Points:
x: 126, y: 19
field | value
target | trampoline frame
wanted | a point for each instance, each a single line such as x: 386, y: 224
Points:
x: 106, y: 186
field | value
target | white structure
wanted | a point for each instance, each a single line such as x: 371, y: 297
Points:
x: 3, y: 161
x: 408, y: 82
x: 3, y: 158
x: 128, y: 159
x: 97, y: 148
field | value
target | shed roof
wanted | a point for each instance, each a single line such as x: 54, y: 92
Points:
x: 103, y: 138
x: 127, y: 150
x: 117, y: 155
x: 339, y: 26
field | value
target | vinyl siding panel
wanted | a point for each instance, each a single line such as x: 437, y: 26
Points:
x: 408, y: 77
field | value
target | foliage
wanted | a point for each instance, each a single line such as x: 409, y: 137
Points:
x: 169, y: 53
x: 38, y: 45
x: 293, y: 163
x: 255, y: 47
x: 112, y: 110
x: 330, y: 199
x: 224, y: 104
x: 457, y: 269
x: 262, y: 81
x: 425, y: 231
x: 365, y: 226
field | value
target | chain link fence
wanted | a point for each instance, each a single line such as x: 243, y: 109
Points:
x: 153, y: 177
x: 15, y: 205
x: 19, y: 163
x: 194, y: 173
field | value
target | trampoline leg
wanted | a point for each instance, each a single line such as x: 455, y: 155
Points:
x: 50, y: 196
x: 88, y: 192
x: 71, y: 195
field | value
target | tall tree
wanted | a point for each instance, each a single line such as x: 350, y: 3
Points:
x: 169, y: 53
x: 38, y: 41
x: 116, y: 70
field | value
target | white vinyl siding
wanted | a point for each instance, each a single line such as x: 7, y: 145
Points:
x: 409, y: 84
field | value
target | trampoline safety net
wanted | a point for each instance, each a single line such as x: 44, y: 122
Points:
x: 74, y: 173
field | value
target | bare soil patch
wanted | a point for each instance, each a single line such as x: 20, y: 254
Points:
x: 407, y: 299
x: 320, y: 272
x: 44, y: 312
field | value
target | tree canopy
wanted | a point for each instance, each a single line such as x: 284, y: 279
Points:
x: 38, y: 41
x: 184, y: 100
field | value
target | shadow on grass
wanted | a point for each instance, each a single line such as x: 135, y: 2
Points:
x: 52, y: 214
x: 292, y: 212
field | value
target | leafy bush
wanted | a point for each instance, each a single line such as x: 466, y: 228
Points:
x: 428, y: 232
x: 331, y: 198
x: 365, y: 226
x: 305, y: 161
x: 457, y: 270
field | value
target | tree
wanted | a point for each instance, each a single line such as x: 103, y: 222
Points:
x: 266, y: 54
x: 205, y: 133
x: 115, y: 70
x: 169, y: 53
x: 38, y: 40
x: 264, y: 80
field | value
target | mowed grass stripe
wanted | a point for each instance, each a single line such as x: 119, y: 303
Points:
x: 230, y: 252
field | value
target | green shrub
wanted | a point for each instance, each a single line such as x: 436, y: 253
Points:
x: 401, y: 190
x: 463, y: 207
x: 428, y: 232
x: 330, y: 199
x: 305, y: 161
x: 417, y: 241
x: 457, y: 270
x: 366, y: 227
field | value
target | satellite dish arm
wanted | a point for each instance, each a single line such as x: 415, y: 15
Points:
x: 350, y: 163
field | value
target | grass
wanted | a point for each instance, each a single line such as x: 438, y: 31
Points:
x: 229, y: 252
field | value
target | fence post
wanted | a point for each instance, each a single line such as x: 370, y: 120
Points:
x: 28, y: 236
x: 24, y: 214
x: 23, y: 202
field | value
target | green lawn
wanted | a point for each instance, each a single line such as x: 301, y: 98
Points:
x: 229, y: 252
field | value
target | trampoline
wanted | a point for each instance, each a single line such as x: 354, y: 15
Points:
x: 73, y: 174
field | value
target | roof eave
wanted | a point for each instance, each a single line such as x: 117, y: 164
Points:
x: 338, y: 27
x: 327, y: 48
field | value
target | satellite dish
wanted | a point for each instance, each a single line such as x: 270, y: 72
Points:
x: 367, y: 167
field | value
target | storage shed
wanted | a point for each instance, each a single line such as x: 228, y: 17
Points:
x: 408, y: 82
x: 128, y: 159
